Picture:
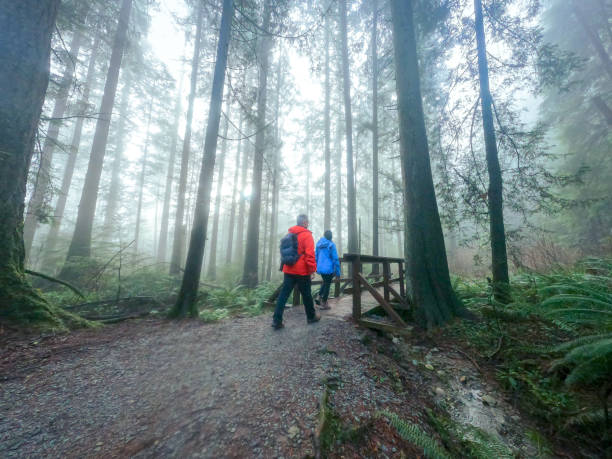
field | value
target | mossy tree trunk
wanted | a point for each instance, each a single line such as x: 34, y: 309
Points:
x: 250, y: 275
x: 178, y: 241
x: 186, y: 301
x: 433, y: 295
x: 499, y: 256
x: 25, y: 45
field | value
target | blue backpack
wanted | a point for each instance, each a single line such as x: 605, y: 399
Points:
x: 289, y: 250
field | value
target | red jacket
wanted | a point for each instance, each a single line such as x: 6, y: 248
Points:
x: 307, y: 263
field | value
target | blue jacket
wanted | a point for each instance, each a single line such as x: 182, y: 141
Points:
x: 327, y: 257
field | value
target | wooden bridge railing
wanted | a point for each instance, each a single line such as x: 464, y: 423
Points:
x: 371, y: 282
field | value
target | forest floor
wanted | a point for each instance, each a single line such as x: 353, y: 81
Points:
x: 236, y: 388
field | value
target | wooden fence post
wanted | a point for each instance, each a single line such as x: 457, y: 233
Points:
x: 402, y: 279
x: 386, y: 277
x: 296, y: 295
x: 356, y: 267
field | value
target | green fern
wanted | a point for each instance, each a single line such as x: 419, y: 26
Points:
x: 414, y: 434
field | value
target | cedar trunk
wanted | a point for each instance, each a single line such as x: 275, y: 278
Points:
x: 179, y: 224
x: 212, y: 261
x: 499, y: 258
x: 25, y: 45
x: 251, y: 255
x: 327, y: 211
x: 186, y: 301
x: 374, y: 135
x: 348, y: 119
x: 235, y: 190
x: 81, y: 240
x: 427, y: 266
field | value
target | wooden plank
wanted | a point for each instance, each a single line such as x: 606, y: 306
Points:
x: 386, y: 306
x: 399, y: 298
x: 386, y: 327
x: 349, y: 257
x: 274, y: 295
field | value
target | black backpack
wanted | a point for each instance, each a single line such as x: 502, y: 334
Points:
x: 289, y: 249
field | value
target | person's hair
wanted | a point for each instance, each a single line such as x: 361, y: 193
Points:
x: 301, y: 219
x: 327, y: 234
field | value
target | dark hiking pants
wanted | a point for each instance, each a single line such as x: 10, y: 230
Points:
x: 325, y: 286
x: 289, y: 281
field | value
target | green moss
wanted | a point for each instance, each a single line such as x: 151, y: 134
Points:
x: 23, y: 306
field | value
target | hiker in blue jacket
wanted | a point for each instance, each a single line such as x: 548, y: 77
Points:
x: 328, y: 265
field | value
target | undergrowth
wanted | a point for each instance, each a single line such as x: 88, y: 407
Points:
x: 551, y: 347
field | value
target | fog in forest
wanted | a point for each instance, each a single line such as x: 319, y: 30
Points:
x: 434, y: 175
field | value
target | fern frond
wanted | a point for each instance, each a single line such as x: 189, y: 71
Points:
x: 415, y: 435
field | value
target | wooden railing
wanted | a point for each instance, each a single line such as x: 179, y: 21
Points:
x: 357, y: 280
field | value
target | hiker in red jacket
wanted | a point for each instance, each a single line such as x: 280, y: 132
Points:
x: 299, y: 266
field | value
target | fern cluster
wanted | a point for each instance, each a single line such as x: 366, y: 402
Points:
x: 432, y: 449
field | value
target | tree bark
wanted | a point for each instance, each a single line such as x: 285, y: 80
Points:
x: 348, y: 119
x: 212, y: 261
x: 186, y: 302
x: 326, y: 121
x: 251, y: 256
x: 82, y: 105
x: 275, y: 169
x: 232, y: 218
x: 499, y: 257
x: 427, y: 266
x: 81, y: 240
x: 25, y: 46
x: 142, y: 179
x: 36, y: 206
x: 165, y: 217
x: 339, y: 228
x: 374, y: 134
x: 114, y: 189
x: 179, y: 225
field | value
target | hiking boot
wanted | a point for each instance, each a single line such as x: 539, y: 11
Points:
x: 277, y: 325
x: 316, y: 318
x: 325, y: 306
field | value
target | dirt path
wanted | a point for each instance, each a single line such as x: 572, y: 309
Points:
x: 231, y: 389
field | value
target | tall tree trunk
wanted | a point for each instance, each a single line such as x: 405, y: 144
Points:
x: 142, y: 179
x: 165, y: 217
x: 427, y: 265
x: 232, y: 218
x: 251, y: 256
x: 499, y: 258
x: 374, y: 134
x: 114, y: 189
x: 25, y: 46
x: 308, y: 184
x: 275, y: 170
x: 179, y: 225
x: 186, y: 301
x: 267, y: 218
x: 83, y: 106
x: 212, y: 261
x: 339, y: 206
x: 348, y: 118
x: 326, y: 121
x: 36, y: 206
x: 242, y: 206
x: 81, y: 240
